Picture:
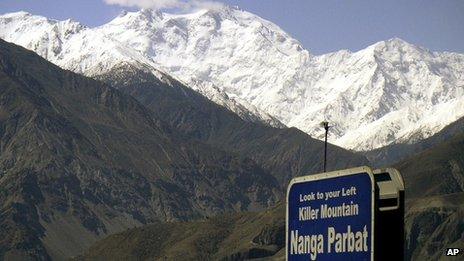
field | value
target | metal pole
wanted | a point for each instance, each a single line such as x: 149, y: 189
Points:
x: 325, y: 124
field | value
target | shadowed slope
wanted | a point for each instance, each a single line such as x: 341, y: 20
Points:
x: 285, y: 153
x: 433, y: 221
x: 232, y: 237
x: 396, y: 152
x: 80, y: 160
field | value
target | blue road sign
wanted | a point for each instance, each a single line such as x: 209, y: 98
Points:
x: 330, y: 216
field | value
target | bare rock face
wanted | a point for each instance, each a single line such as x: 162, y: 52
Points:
x: 433, y: 225
x: 433, y: 219
x: 80, y: 160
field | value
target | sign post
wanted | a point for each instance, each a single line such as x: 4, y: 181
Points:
x: 330, y: 216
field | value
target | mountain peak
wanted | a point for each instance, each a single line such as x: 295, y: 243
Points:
x: 24, y: 17
x: 396, y: 40
x: 397, y: 45
x: 141, y: 21
x: 148, y: 14
x: 221, y: 9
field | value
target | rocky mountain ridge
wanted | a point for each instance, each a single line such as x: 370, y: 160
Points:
x: 390, y: 92
x: 80, y: 160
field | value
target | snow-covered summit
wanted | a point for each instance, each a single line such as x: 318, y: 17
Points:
x: 96, y: 51
x: 390, y: 92
x: 43, y: 35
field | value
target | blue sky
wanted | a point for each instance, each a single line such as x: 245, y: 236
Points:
x: 322, y: 26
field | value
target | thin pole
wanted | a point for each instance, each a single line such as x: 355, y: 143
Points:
x: 325, y: 152
x: 326, y: 127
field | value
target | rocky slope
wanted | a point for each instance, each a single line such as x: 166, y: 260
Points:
x: 283, y: 152
x: 233, y: 237
x: 433, y: 220
x: 80, y: 160
x: 395, y: 152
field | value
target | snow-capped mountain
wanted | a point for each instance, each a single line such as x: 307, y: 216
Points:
x: 93, y: 52
x: 389, y: 92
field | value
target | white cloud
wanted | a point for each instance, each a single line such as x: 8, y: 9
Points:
x: 207, y: 4
x: 166, y: 4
